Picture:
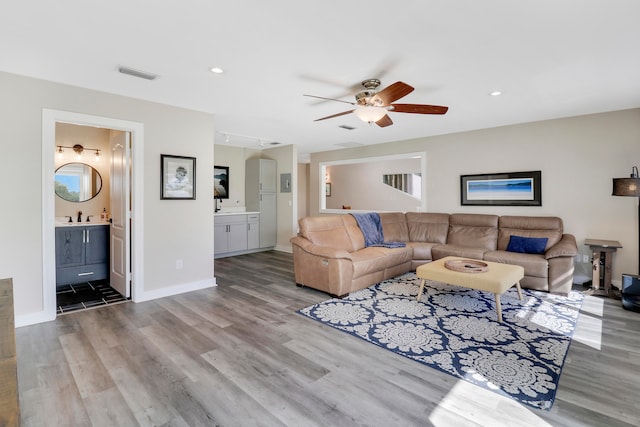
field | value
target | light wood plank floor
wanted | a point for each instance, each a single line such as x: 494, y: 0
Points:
x: 239, y: 355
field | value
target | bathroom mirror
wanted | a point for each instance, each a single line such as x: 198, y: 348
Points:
x: 373, y: 183
x: 77, y: 182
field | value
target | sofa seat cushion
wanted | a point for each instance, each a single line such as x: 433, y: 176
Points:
x: 534, y: 265
x: 372, y: 259
x: 422, y: 250
x: 441, y: 251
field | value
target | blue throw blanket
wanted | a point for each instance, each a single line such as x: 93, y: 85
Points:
x: 371, y: 228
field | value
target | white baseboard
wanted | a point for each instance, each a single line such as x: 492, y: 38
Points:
x: 175, y: 290
x: 281, y: 248
x: 33, y: 318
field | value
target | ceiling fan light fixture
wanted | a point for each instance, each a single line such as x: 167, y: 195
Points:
x: 370, y: 114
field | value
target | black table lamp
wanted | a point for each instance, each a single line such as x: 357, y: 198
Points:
x: 630, y: 187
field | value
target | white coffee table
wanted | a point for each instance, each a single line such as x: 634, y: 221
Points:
x: 498, y: 279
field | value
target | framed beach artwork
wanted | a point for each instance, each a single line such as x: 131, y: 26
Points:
x: 501, y: 189
x: 221, y: 182
x: 177, y: 177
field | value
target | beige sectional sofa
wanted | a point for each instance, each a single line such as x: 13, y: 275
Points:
x: 329, y: 251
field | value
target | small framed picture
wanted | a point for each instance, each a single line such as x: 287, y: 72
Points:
x: 221, y: 182
x: 327, y: 189
x: 177, y: 177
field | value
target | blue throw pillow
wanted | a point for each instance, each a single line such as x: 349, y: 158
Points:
x: 527, y: 245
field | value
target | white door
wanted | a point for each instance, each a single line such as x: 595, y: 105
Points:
x: 120, y: 275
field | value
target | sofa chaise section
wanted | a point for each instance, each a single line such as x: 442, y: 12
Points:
x: 330, y: 255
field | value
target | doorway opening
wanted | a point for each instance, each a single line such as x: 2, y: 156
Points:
x: 124, y: 203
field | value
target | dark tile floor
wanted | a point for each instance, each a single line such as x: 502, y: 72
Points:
x: 85, y: 295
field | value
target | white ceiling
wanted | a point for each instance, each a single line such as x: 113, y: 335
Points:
x: 550, y: 59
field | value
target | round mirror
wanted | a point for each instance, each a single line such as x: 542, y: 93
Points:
x: 77, y: 182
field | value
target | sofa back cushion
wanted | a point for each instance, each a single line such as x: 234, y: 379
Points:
x: 331, y: 231
x: 473, y: 230
x: 427, y: 227
x: 529, y: 226
x: 394, y: 227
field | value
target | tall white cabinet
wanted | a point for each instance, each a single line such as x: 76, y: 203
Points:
x: 260, y: 194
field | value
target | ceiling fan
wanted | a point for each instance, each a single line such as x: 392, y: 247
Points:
x: 372, y: 105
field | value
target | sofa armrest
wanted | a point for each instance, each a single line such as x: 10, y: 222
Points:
x: 566, y: 247
x: 321, y: 251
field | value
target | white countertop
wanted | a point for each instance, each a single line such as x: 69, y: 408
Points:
x: 233, y: 213
x: 80, y: 224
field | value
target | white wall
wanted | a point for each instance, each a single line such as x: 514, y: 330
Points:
x: 234, y: 158
x: 578, y: 157
x: 173, y: 229
x: 303, y: 190
x: 348, y: 180
x: 287, y: 203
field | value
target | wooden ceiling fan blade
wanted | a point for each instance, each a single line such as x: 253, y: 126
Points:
x: 385, y: 121
x: 330, y: 99
x: 393, y: 93
x: 334, y: 115
x: 419, y: 109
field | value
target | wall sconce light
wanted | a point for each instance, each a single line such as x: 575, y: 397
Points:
x: 630, y: 187
x: 79, y: 150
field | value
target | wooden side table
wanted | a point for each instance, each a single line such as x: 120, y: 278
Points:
x: 602, y: 250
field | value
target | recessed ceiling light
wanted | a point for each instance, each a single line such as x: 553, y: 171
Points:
x: 217, y: 70
x: 496, y: 93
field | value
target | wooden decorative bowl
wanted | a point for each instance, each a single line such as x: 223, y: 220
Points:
x: 467, y: 266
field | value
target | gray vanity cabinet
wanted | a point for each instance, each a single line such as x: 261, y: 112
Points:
x: 82, y: 253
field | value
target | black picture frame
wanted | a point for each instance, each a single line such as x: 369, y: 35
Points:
x: 221, y: 182
x: 177, y: 177
x: 502, y: 189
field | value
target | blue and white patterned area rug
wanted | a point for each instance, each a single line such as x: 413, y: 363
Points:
x: 455, y: 330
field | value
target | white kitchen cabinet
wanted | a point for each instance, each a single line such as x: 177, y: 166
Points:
x: 261, y: 196
x: 253, y: 231
x: 229, y: 233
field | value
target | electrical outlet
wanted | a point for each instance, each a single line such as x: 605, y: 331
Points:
x: 585, y: 258
x: 178, y: 264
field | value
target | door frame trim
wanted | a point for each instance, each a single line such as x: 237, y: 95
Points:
x: 49, y: 120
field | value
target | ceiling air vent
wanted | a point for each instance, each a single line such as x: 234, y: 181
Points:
x: 347, y: 127
x: 137, y: 73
